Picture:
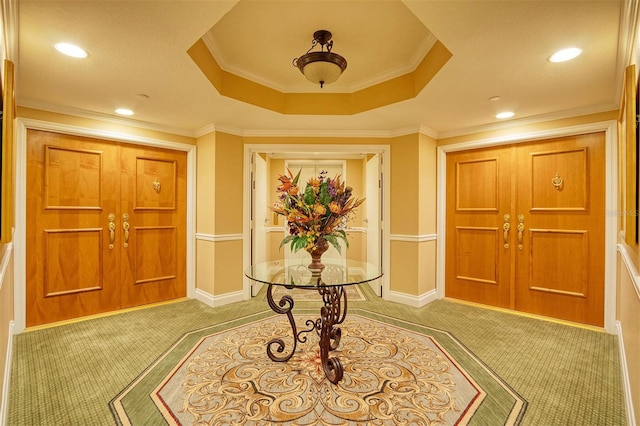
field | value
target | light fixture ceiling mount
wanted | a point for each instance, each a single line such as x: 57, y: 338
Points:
x: 323, y: 67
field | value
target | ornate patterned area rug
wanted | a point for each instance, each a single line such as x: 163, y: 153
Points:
x: 394, y: 373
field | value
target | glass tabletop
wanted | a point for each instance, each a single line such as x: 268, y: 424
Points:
x: 294, y: 272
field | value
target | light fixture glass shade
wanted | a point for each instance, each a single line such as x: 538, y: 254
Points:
x: 321, y: 67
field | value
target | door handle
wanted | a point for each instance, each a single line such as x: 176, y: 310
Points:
x: 505, y: 230
x: 520, y: 230
x: 112, y: 230
x: 125, y: 227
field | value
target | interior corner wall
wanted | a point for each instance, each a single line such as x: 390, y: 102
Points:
x: 413, y: 216
x: 205, y: 213
x: 219, y: 224
x: 427, y: 219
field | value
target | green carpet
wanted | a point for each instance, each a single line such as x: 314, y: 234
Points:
x: 67, y: 375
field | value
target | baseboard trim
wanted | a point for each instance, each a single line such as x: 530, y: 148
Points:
x: 415, y: 301
x: 224, y: 299
x: 631, y: 417
x: 4, y: 404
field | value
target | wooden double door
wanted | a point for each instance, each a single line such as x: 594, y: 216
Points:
x: 106, y: 226
x: 526, y: 227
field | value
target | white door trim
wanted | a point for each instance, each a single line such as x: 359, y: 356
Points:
x: 611, y: 200
x: 384, y: 150
x: 20, y: 232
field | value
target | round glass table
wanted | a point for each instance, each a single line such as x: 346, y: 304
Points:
x: 329, y: 283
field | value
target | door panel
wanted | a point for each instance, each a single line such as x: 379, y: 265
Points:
x: 547, y: 256
x: 65, y: 271
x: 71, y: 269
x: 560, y: 266
x: 477, y: 252
x: 156, y: 181
x: 72, y: 178
x: 153, y: 260
x: 550, y: 271
x: 478, y: 197
x: 548, y: 191
x: 81, y: 260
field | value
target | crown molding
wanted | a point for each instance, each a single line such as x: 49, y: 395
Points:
x: 391, y: 73
x: 322, y: 133
x: 11, y: 29
x: 76, y: 112
x: 205, y: 130
x: 559, y: 115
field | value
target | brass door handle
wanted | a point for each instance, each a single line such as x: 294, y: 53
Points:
x: 125, y: 227
x: 112, y: 230
x: 520, y: 230
x: 505, y: 230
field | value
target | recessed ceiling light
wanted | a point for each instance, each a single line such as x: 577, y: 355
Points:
x: 71, y: 50
x: 565, y: 54
x: 505, y: 114
x: 494, y: 98
x: 124, y: 111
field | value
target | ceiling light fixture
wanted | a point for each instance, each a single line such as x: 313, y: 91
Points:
x: 124, y: 111
x: 322, y: 67
x: 505, y: 114
x: 565, y: 54
x: 71, y: 50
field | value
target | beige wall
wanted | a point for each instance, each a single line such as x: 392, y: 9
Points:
x: 413, y: 215
x: 6, y: 307
x: 405, y: 185
x: 219, y: 199
x: 229, y: 185
x: 629, y: 318
x: 205, y: 180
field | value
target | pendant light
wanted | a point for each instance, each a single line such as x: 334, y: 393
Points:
x: 323, y: 67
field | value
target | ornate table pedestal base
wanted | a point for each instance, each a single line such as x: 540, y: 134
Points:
x: 332, y: 314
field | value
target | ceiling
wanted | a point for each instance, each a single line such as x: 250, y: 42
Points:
x: 138, y: 59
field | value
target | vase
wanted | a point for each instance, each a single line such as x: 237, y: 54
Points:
x: 316, y: 253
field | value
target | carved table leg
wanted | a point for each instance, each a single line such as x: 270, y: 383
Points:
x: 332, y: 314
x: 285, y: 306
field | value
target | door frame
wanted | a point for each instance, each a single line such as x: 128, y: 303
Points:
x: 24, y: 124
x: 611, y: 199
x: 383, y: 150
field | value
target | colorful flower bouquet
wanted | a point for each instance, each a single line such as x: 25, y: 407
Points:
x: 317, y: 215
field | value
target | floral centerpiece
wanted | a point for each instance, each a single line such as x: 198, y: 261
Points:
x: 316, y: 216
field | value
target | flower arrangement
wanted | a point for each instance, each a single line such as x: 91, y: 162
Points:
x: 318, y: 213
